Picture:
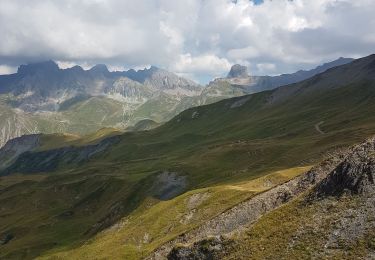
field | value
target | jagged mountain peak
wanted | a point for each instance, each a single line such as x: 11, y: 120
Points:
x: 75, y: 68
x: 48, y: 66
x: 99, y: 68
x: 238, y: 71
x: 153, y: 68
x: 161, y: 79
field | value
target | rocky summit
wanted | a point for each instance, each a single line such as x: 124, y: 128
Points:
x: 238, y: 71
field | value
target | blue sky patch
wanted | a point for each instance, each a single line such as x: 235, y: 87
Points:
x: 258, y: 2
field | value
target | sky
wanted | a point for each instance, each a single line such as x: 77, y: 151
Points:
x: 198, y: 39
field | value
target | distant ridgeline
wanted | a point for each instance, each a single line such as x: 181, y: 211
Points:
x: 42, y: 98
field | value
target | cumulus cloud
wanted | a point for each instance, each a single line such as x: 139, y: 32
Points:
x: 4, y: 69
x: 193, y: 37
x: 202, y: 65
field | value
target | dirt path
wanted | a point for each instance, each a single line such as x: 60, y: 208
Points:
x: 317, y: 127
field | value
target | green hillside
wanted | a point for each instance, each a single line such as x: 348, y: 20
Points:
x: 66, y: 201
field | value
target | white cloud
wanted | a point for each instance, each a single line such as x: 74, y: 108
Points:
x: 4, y: 69
x: 192, y: 37
x: 206, y: 64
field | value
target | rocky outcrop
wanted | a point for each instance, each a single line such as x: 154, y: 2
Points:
x: 354, y: 175
x: 206, y: 249
x: 238, y: 71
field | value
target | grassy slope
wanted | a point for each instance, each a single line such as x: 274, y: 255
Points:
x: 152, y: 225
x: 54, y: 141
x: 224, y: 143
x: 212, y: 145
x: 93, y: 114
x: 89, y: 114
x: 294, y: 148
x: 84, y: 117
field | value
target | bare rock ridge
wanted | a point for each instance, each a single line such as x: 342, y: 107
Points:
x: 347, y: 171
x: 37, y: 84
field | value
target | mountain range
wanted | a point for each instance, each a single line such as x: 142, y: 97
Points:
x: 282, y: 173
x: 42, y: 98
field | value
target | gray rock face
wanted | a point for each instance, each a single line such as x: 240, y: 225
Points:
x: 355, y: 175
x: 130, y: 91
x: 238, y: 71
x: 206, y: 249
x: 43, y: 86
x: 162, y: 79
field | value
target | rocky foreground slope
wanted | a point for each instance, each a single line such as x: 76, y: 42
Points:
x: 338, y: 195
